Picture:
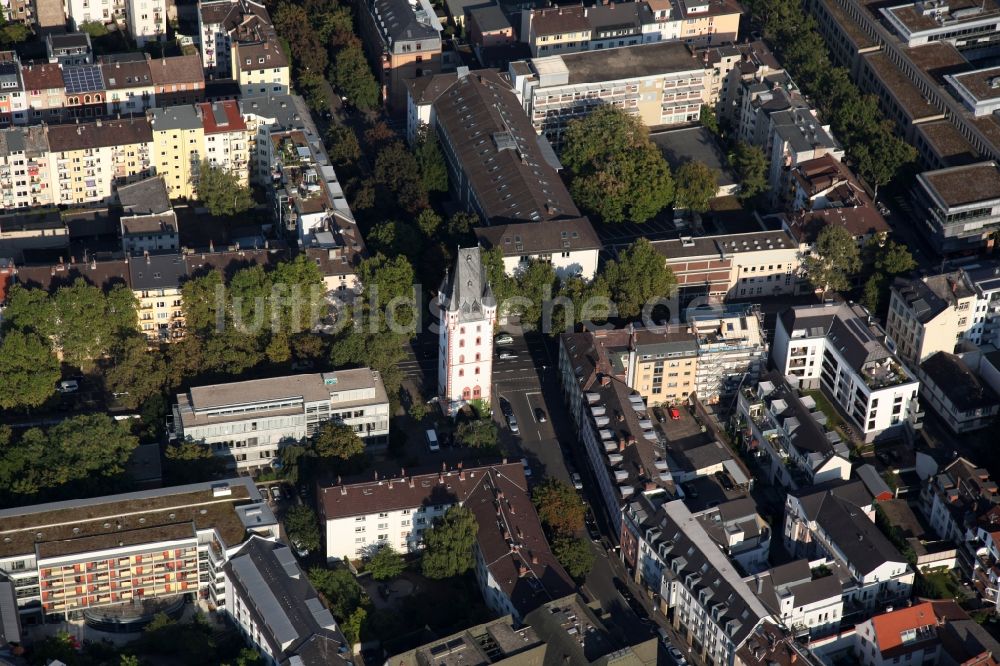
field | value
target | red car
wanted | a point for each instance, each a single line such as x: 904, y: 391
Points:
x: 675, y: 414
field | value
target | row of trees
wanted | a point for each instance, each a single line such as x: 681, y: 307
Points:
x: 320, y: 37
x: 562, y: 512
x: 870, y: 140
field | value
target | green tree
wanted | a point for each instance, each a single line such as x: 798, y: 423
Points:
x: 84, y: 330
x: 834, y: 260
x: 30, y: 311
x: 221, y: 192
x: 428, y: 222
x: 303, y: 527
x: 504, y: 286
x: 575, y: 555
x: 135, y: 373
x: 617, y: 172
x: 250, y: 291
x: 342, y: 591
x: 398, y: 170
x: 191, y: 462
x: 385, y: 563
x: 460, y: 226
x: 232, y: 352
x: 433, y: 170
x: 559, y: 507
x: 28, y: 370
x: 708, y: 119
x: 871, y: 296
x: 893, y: 259
x: 535, y: 286
x: 14, y: 33
x: 449, y: 544
x: 354, y: 79
x: 637, y: 278
x: 336, y: 440
x: 93, y: 28
x: 342, y: 145
x: 880, y: 160
x: 697, y: 185
x: 477, y: 434
x: 352, y: 625
x: 128, y: 660
x: 750, y: 165
x: 278, y: 349
x: 203, y: 297
x: 299, y: 295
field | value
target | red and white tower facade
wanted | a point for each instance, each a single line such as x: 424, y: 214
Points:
x: 465, y: 352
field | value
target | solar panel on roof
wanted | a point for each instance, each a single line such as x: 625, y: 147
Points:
x: 83, y: 78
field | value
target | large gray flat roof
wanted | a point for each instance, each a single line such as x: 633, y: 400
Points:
x: 631, y: 62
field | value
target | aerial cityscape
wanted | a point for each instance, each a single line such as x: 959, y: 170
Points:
x: 499, y: 332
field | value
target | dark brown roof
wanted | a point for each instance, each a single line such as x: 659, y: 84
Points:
x: 356, y: 499
x: 330, y: 261
x: 560, y: 20
x: 176, y: 70
x: 99, y: 134
x: 270, y: 51
x: 42, y: 77
x: 127, y: 74
x: 533, y: 237
x: 230, y: 261
x: 859, y: 221
x: 498, y: 149
x: 104, y: 274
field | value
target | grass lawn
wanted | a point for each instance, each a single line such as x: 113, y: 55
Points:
x: 833, y: 418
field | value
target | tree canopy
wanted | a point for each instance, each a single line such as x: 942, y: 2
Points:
x: 575, y: 555
x: 478, y: 434
x: 697, y: 185
x: 337, y: 440
x: 302, y: 527
x: 835, y: 258
x: 29, y: 370
x: 449, y: 544
x: 638, y: 277
x: 221, y: 192
x: 354, y: 78
x: 559, y: 507
x: 617, y: 172
x: 750, y: 165
x: 385, y: 563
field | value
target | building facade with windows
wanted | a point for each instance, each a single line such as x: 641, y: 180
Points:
x: 246, y: 423
x: 156, y: 281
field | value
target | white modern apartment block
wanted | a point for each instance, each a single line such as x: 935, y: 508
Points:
x: 146, y: 20
x: 837, y: 523
x: 246, y: 423
x: 468, y: 312
x: 836, y: 347
x: 93, y: 554
x: 732, y: 351
x: 806, y: 603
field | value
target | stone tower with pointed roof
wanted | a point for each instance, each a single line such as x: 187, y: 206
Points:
x: 468, y: 312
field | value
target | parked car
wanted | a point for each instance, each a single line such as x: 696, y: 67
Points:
x: 299, y: 549
x: 577, y: 481
x: 505, y: 408
x: 658, y: 414
x: 540, y: 415
x: 432, y: 440
x: 512, y: 423
x: 506, y: 356
x: 68, y: 386
x: 275, y: 493
x: 676, y: 655
x: 725, y: 480
x: 675, y: 414
x: 527, y: 468
x: 504, y: 339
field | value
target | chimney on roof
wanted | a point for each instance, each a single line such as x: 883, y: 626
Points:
x: 760, y: 584
x: 621, y: 444
x: 145, y: 253
x: 440, y: 478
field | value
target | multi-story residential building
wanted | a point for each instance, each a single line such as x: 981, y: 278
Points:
x: 932, y: 632
x: 836, y: 347
x: 732, y: 350
x: 72, y: 48
x: 177, y: 79
x: 662, y: 363
x: 789, y: 437
x: 156, y: 281
x: 760, y: 263
x: 128, y: 84
x: 246, y: 423
x: 662, y: 84
x: 552, y: 30
x: 85, y: 91
x: 489, y: 27
x: 74, y: 556
x: 359, y: 518
x: 178, y: 148
x: 468, y: 313
x: 930, y: 314
x: 611, y: 422
x: 146, y: 20
x: 149, y: 234
x: 46, y: 94
x: 91, y: 158
x: 144, y: 197
x: 217, y: 22
x: 571, y: 246
x: 259, y: 64
x: 796, y: 136
x: 837, y: 521
x: 960, y: 205
x: 27, y: 168
x: 498, y: 167
x: 806, y: 603
x: 740, y: 532
x: 700, y: 590
x: 13, y: 98
x: 277, y: 610
x: 18, y: 11
x: 955, y: 499
x: 227, y: 139
x: 985, y: 547
x: 957, y: 395
x: 403, y: 41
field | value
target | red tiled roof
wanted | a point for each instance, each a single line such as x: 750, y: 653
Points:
x: 177, y: 69
x: 42, y: 77
x: 234, y: 119
x: 889, y: 627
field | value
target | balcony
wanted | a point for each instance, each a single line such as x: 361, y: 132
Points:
x: 883, y: 374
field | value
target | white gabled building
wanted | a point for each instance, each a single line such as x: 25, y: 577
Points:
x: 807, y: 603
x: 468, y: 312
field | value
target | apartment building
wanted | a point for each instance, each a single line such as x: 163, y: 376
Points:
x: 788, y: 436
x: 838, y: 348
x: 177, y: 79
x: 739, y: 532
x: 931, y: 632
x: 27, y: 168
x: 227, y: 139
x: 661, y: 83
x: 662, y: 363
x: 13, y: 99
x: 246, y: 423
x: 955, y: 499
x: 571, y: 246
x: 962, y: 400
x: 155, y: 233
x: 612, y: 424
x: 403, y: 41
x: 732, y: 350
x: 91, y: 158
x: 960, y: 206
x: 217, y: 22
x: 129, y: 85
x: 468, y: 314
x: 74, y: 556
x: 277, y: 610
x: 259, y: 64
x: 45, y: 91
x: 836, y: 521
x: 146, y: 20
x: 156, y: 281
x: 359, y: 518
x: 806, y: 603
x: 701, y: 592
x: 178, y: 148
x: 759, y: 263
x: 18, y: 11
x: 796, y: 136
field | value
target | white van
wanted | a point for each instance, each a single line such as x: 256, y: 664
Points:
x: 432, y: 440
